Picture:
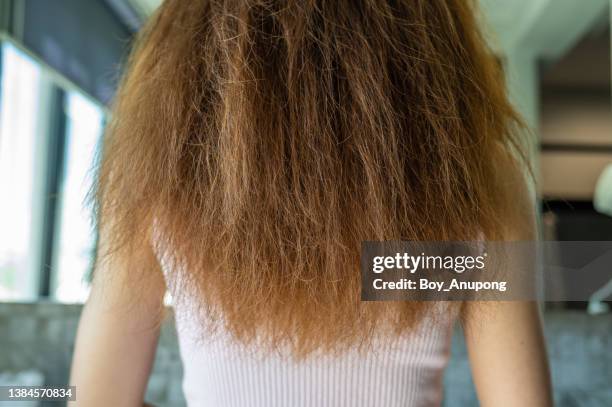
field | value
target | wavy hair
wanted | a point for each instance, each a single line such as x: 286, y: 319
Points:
x: 266, y: 140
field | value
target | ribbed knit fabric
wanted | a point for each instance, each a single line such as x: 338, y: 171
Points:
x: 404, y: 372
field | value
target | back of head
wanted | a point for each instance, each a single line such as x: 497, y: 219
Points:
x: 267, y: 139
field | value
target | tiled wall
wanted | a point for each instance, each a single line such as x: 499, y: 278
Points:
x: 40, y: 337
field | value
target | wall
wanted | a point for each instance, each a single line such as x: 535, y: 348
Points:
x: 579, y: 348
x: 40, y: 337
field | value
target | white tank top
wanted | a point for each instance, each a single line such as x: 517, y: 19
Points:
x: 407, y: 371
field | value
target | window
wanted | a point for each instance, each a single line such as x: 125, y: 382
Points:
x: 55, y: 73
x: 18, y: 119
x: 75, y: 236
x: 48, y: 141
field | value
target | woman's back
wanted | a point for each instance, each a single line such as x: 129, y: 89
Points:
x: 404, y: 370
x: 401, y: 371
x: 262, y: 142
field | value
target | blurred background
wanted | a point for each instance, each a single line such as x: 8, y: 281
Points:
x: 60, y: 61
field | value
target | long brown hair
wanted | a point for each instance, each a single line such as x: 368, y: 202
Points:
x: 266, y: 140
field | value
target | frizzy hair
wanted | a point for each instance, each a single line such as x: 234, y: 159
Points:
x: 265, y: 140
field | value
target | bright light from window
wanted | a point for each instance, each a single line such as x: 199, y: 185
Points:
x: 18, y: 113
x: 76, y: 237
